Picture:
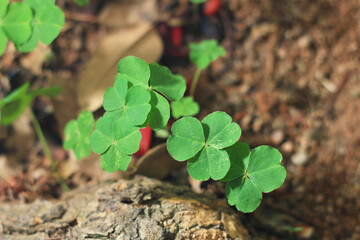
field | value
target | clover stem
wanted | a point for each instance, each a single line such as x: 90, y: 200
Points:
x: 195, y: 81
x: 46, y: 149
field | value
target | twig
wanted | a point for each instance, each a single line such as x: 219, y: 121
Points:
x: 47, y: 152
x: 335, y: 95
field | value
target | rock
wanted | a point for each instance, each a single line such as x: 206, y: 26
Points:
x: 141, y: 208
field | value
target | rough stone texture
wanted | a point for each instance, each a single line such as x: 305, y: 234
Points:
x: 141, y: 208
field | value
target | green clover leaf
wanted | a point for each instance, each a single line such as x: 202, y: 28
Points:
x: 185, y: 107
x: 251, y: 174
x: 115, y: 141
x: 77, y: 134
x: 13, y: 105
x: 47, y: 24
x: 203, y: 144
x: 204, y: 53
x: 132, y: 103
x: 162, y: 80
x: 156, y: 80
x: 15, y: 23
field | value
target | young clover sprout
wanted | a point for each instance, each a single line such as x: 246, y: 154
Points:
x: 77, y: 134
x: 202, y: 55
x: 13, y: 105
x: 185, y: 107
x: 27, y: 22
x: 82, y: 3
x: 198, y: 1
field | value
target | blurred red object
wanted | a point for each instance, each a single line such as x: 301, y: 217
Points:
x: 212, y: 7
x: 145, y: 141
x: 176, y: 36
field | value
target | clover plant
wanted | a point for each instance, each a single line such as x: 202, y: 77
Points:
x: 27, y: 22
x: 14, y: 104
x: 185, y: 107
x: 77, y: 134
x: 140, y: 97
x: 202, y: 54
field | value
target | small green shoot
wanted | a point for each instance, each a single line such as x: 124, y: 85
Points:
x: 202, y: 55
x: 203, y: 144
x: 252, y: 173
x: 13, y: 105
x: 82, y: 3
x: 77, y: 134
x: 198, y: 1
x: 185, y: 107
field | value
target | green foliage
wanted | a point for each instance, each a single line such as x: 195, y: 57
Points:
x: 197, y: 1
x: 204, y: 144
x: 77, y: 134
x: 13, y: 105
x: 139, y: 90
x: 82, y: 3
x: 252, y: 173
x: 185, y: 107
x: 25, y: 23
x: 205, y: 52
x: 15, y: 23
x: 47, y: 23
x: 115, y: 141
x: 140, y: 97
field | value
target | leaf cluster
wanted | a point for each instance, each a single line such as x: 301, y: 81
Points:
x: 213, y: 151
x: 13, y: 105
x: 28, y: 22
x: 205, y: 52
x: 140, y: 97
x: 77, y: 134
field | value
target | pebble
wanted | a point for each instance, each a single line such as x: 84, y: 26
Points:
x: 277, y: 137
x: 287, y: 147
x: 299, y: 158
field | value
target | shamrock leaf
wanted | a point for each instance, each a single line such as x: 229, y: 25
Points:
x: 204, y: 144
x: 162, y: 80
x: 160, y: 112
x: 15, y: 23
x: 155, y: 79
x: 115, y: 141
x: 13, y: 105
x: 47, y: 23
x: 132, y: 103
x: 77, y: 134
x: 252, y: 173
x: 204, y: 53
x: 185, y: 107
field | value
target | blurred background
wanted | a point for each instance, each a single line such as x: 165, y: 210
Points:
x: 290, y: 79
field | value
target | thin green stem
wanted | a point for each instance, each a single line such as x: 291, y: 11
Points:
x: 47, y: 152
x: 195, y: 81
